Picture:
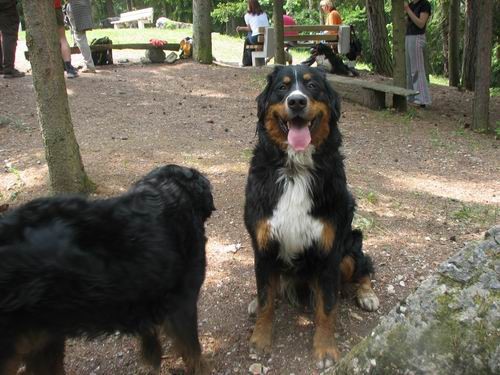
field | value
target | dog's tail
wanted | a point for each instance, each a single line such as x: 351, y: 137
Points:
x: 181, y: 188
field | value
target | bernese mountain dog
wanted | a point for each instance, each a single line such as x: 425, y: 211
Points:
x: 298, y: 208
x: 74, y: 267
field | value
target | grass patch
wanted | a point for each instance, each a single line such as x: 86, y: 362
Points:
x: 438, y: 80
x: 247, y: 153
x: 476, y: 214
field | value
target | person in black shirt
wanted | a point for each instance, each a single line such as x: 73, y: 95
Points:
x: 418, y: 12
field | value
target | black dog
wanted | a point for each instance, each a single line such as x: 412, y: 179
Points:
x: 298, y: 209
x: 329, y: 61
x: 72, y: 267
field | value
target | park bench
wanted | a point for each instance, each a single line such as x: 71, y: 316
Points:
x: 373, y: 94
x: 137, y: 17
x: 307, y: 36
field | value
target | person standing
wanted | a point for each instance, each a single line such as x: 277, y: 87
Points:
x: 70, y: 70
x: 9, y: 26
x: 79, y: 13
x: 255, y: 17
x: 418, y: 12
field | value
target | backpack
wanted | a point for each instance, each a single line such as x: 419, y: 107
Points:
x: 354, y: 47
x: 102, y: 57
x: 186, y: 46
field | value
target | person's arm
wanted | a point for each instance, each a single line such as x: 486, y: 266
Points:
x: 419, y: 21
x: 243, y: 28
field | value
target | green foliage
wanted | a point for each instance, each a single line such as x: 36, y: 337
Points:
x: 227, y: 10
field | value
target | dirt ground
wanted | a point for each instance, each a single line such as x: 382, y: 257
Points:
x: 425, y: 184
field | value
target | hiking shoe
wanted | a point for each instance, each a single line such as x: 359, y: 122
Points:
x: 71, y: 72
x: 12, y: 73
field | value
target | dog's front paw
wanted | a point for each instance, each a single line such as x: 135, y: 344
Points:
x: 368, y: 300
x: 326, y: 356
x: 260, y: 342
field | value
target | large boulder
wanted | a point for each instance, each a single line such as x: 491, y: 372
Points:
x: 449, y: 325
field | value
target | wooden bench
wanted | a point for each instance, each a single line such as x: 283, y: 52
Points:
x: 264, y: 50
x: 373, y: 94
x: 307, y: 36
x: 137, y: 17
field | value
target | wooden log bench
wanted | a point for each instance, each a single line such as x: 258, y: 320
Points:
x: 373, y: 94
x: 139, y: 17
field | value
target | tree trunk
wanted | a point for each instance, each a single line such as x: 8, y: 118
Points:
x: 445, y: 27
x: 202, y: 31
x: 279, y: 53
x: 398, y: 43
x: 129, y: 5
x: 110, y: 11
x: 470, y: 45
x: 453, y: 44
x: 480, y: 108
x: 377, y: 29
x: 66, y: 171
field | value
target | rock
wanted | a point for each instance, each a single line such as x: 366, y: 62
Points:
x: 155, y: 55
x: 449, y: 325
x: 258, y: 369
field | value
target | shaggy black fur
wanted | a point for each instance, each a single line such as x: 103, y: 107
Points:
x: 331, y: 202
x: 73, y: 267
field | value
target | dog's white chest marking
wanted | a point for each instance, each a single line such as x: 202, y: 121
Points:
x: 291, y: 223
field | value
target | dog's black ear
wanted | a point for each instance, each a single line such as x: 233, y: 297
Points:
x: 333, y: 99
x: 264, y: 96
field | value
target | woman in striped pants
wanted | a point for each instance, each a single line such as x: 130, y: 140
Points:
x: 418, y: 12
x: 79, y: 13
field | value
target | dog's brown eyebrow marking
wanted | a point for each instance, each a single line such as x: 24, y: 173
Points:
x: 287, y: 79
x: 307, y: 76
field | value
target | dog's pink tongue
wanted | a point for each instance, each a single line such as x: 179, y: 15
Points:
x: 299, y: 138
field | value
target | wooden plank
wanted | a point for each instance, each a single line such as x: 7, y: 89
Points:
x: 103, y: 47
x: 314, y: 28
x: 298, y: 38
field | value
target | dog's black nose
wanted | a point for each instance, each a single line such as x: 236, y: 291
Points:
x: 296, y: 102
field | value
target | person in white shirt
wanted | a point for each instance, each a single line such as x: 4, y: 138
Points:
x: 254, y: 18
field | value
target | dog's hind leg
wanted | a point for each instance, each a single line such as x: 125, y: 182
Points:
x: 356, y: 267
x: 182, y: 327
x: 46, y: 358
x: 151, y: 352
